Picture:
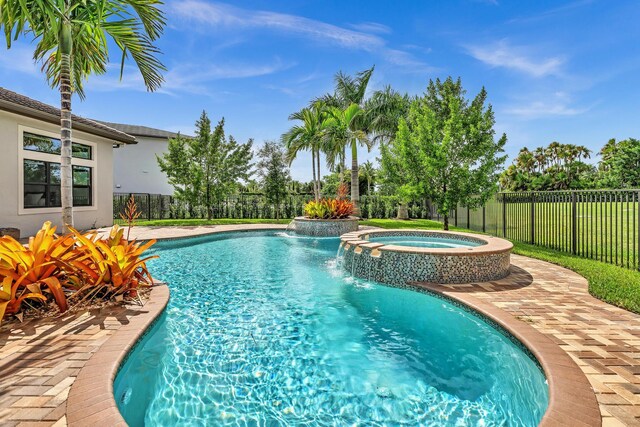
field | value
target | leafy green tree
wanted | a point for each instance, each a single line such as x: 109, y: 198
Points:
x: 207, y: 168
x: 72, y: 43
x: 620, y: 165
x: 446, y: 149
x: 555, y: 167
x: 273, y: 171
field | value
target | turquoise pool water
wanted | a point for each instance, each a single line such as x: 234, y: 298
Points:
x: 265, y: 330
x: 424, y: 242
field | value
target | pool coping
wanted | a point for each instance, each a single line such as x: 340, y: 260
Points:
x: 572, y: 401
x: 494, y: 245
x: 91, y: 401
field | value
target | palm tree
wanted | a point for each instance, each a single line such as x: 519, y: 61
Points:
x: 343, y: 130
x: 72, y: 43
x: 383, y: 111
x: 307, y: 136
x: 351, y: 91
x: 368, y: 172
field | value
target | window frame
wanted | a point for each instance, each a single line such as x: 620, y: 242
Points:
x: 24, y: 154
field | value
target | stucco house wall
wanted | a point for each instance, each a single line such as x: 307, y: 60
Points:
x: 136, y: 169
x: 29, y: 220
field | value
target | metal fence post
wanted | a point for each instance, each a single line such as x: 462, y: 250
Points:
x: 504, y: 215
x: 484, y: 218
x: 148, y: 206
x: 455, y: 216
x: 574, y: 223
x: 533, y: 218
x: 468, y: 218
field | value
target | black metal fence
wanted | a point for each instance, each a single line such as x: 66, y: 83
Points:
x: 252, y: 205
x: 598, y: 224
x: 239, y: 206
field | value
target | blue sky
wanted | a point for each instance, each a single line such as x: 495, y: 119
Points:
x: 564, y: 71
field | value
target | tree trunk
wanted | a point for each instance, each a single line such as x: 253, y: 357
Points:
x: 315, y: 181
x: 355, y: 183
x: 66, y: 176
x: 403, y: 211
x: 318, y: 169
x: 446, y: 222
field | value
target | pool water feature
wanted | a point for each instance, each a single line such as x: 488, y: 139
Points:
x: 425, y: 242
x: 265, y: 330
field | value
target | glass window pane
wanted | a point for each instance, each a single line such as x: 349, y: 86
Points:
x: 34, y: 196
x: 35, y: 172
x: 81, y: 196
x: 54, y: 173
x: 43, y: 144
x: 81, y: 151
x: 81, y: 175
x: 55, y: 199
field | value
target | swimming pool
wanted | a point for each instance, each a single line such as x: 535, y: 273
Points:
x: 263, y: 329
x: 425, y: 242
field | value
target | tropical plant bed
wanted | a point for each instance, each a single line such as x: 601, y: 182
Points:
x: 53, y: 273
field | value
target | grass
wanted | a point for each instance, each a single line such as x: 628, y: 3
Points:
x: 615, y: 285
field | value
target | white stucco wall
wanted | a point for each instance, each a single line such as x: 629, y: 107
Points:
x: 136, y: 169
x: 11, y: 188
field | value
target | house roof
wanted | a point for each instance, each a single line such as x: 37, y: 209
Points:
x: 25, y: 106
x: 142, y: 130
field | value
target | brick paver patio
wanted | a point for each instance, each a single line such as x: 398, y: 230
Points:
x: 39, y: 360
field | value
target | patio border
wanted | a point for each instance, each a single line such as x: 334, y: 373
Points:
x: 91, y: 401
x: 572, y: 401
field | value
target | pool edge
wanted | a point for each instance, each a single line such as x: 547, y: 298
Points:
x: 572, y: 401
x: 91, y: 400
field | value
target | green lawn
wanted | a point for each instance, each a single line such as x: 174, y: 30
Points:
x: 615, y: 285
x: 606, y: 231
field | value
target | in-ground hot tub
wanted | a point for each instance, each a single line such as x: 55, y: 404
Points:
x: 400, y: 256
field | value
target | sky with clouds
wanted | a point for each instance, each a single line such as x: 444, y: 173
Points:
x: 563, y: 71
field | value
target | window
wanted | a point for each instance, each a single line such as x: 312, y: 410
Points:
x: 42, y: 185
x: 49, y: 145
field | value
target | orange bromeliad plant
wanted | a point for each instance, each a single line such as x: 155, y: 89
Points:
x: 83, y: 264
x: 25, y: 270
x: 113, y: 262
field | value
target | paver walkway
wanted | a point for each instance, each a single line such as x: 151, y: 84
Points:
x: 39, y: 360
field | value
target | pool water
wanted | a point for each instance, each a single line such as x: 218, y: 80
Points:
x: 424, y: 242
x: 265, y: 330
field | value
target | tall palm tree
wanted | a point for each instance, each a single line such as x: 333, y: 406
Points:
x: 307, y: 136
x: 351, y: 91
x: 343, y: 130
x: 72, y: 43
x: 368, y: 173
x: 383, y: 111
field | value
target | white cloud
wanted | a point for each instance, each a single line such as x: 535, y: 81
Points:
x: 190, y: 78
x: 211, y: 15
x: 223, y: 15
x: 371, y: 27
x: 19, y: 59
x: 504, y: 55
x: 558, y: 104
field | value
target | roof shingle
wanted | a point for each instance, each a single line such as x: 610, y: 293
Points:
x: 20, y: 104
